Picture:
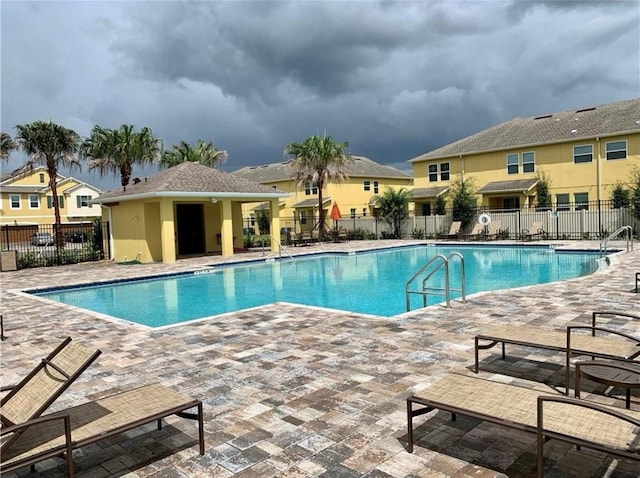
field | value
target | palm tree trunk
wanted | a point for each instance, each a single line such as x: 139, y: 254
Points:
x: 320, y: 210
x: 53, y: 173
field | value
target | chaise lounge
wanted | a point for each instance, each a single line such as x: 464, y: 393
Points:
x: 534, y: 230
x: 547, y: 413
x: 600, y: 342
x: 454, y: 231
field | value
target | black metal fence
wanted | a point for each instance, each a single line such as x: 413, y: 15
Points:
x: 43, y: 245
x: 572, y: 221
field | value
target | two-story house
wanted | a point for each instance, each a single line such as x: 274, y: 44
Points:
x: 355, y: 196
x: 583, y: 153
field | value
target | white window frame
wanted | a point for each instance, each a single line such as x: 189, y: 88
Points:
x: 532, y: 162
x: 565, y: 204
x: 578, y: 203
x: 606, y: 149
x: 582, y: 154
x: 375, y: 187
x: 366, y: 185
x: 13, y: 205
x: 303, y: 216
x: 432, y: 173
x: 445, y: 170
x: 510, y: 157
x: 37, y: 202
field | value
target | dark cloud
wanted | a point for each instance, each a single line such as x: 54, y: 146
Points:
x: 395, y: 79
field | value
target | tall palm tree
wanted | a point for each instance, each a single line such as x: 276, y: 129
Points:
x: 203, y: 153
x: 117, y: 150
x: 394, y: 209
x: 52, y: 146
x: 319, y: 159
x: 6, y: 146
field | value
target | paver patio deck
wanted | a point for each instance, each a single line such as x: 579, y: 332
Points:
x: 297, y: 391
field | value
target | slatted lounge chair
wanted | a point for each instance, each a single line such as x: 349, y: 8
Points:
x: 601, y: 342
x: 476, y: 233
x: 59, y: 433
x: 494, y: 230
x: 542, y: 411
x: 43, y: 385
x: 454, y: 231
x: 535, y: 230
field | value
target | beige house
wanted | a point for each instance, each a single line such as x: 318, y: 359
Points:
x: 355, y: 196
x: 186, y: 210
x: 584, y: 153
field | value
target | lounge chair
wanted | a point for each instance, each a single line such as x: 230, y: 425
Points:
x: 476, y: 233
x: 535, y: 230
x: 454, y: 231
x: 43, y: 385
x: 542, y: 411
x: 59, y: 433
x: 600, y: 342
x: 494, y: 230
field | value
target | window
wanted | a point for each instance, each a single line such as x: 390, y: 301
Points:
x: 583, y: 154
x: 528, y: 162
x: 50, y: 201
x: 444, y: 171
x: 353, y: 213
x: 81, y: 201
x: 253, y: 220
x: 511, y: 203
x: 41, y: 177
x: 433, y: 173
x: 34, y: 201
x: 426, y: 209
x: 581, y: 200
x: 303, y: 217
x: 562, y: 202
x: 310, y: 188
x: 367, y: 185
x: 364, y: 212
x: 14, y: 199
x: 512, y: 163
x: 616, y: 149
x: 375, y: 187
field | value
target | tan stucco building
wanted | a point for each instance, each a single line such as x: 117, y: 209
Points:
x: 186, y: 210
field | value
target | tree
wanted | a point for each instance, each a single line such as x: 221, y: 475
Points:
x: 439, y: 205
x: 203, y: 153
x: 635, y: 192
x: 319, y: 159
x: 543, y: 198
x: 620, y: 196
x: 117, y: 150
x: 463, y: 202
x: 393, y: 205
x: 6, y: 146
x: 52, y: 146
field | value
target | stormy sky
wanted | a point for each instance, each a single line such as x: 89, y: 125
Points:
x: 394, y: 79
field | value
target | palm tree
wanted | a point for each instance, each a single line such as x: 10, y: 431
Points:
x: 203, y: 153
x: 6, y: 146
x: 52, y: 146
x: 394, y: 209
x: 319, y: 159
x: 117, y: 150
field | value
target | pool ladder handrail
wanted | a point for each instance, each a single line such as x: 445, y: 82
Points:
x: 446, y: 291
x: 281, y: 249
x: 616, y: 233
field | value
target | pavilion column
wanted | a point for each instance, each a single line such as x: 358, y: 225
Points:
x: 167, y: 231
x: 226, y: 231
x: 274, y: 209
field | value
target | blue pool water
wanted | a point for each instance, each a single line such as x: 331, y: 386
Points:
x: 368, y: 282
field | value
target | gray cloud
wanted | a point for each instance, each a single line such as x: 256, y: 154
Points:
x: 395, y: 79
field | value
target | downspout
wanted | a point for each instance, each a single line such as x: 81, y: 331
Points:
x: 598, y: 178
x: 111, y: 250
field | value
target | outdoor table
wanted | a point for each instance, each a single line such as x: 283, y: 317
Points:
x: 609, y: 373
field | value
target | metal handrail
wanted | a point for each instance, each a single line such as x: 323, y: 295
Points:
x: 280, y: 249
x: 446, y: 291
x: 629, y: 239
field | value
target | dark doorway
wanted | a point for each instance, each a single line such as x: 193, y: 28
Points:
x: 190, y: 219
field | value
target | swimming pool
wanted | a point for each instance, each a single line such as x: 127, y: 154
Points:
x: 370, y: 282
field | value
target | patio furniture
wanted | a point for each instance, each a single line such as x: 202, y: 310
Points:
x: 476, y: 233
x: 535, y: 230
x: 493, y: 230
x: 608, y: 373
x: 59, y: 433
x: 637, y: 282
x: 42, y: 386
x: 600, y: 342
x: 542, y: 411
x: 454, y: 231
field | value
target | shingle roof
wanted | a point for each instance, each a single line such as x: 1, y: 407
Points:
x: 433, y: 192
x: 313, y: 202
x: 603, y: 120
x: 508, y: 186
x: 191, y: 178
x: 360, y: 167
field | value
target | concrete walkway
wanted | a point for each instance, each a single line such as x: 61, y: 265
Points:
x: 296, y: 391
